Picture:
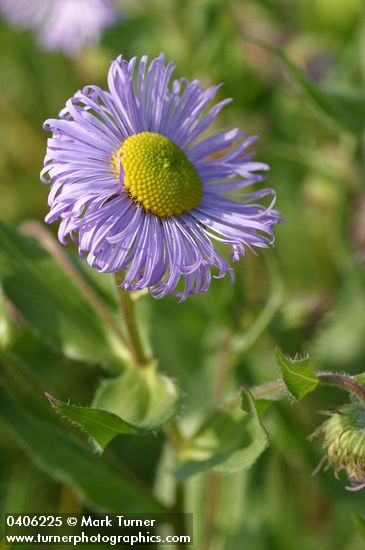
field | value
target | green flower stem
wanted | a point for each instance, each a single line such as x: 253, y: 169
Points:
x: 179, y: 507
x: 213, y: 482
x: 212, y: 505
x: 176, y: 441
x: 127, y: 307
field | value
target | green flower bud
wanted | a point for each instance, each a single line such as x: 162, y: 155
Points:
x: 344, y: 442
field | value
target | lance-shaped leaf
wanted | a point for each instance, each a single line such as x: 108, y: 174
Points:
x: 229, y: 441
x: 298, y: 374
x: 137, y: 401
x: 68, y: 461
x: 101, y: 425
x: 53, y: 305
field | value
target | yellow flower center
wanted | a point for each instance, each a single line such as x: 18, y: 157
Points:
x: 157, y: 174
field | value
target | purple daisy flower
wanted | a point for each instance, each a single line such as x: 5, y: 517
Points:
x: 65, y: 25
x: 138, y: 190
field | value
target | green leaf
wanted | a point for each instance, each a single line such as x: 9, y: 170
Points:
x: 262, y: 405
x: 141, y: 396
x: 70, y: 462
x: 53, y: 305
x: 102, y: 426
x: 229, y: 441
x: 346, y: 108
x: 359, y: 523
x: 298, y: 374
x: 137, y: 401
x: 360, y: 378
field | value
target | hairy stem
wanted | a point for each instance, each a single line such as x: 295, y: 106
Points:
x: 213, y: 481
x: 179, y: 526
x: 127, y: 307
x: 278, y: 388
x: 212, y: 506
x: 265, y: 391
x: 271, y: 390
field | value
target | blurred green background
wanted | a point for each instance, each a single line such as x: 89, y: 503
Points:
x: 314, y: 277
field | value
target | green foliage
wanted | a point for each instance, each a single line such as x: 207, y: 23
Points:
x: 142, y: 397
x: 70, y: 462
x: 51, y: 303
x: 101, y: 425
x: 17, y: 377
x: 345, y: 108
x: 227, y: 442
x: 137, y: 401
x: 310, y: 122
x: 298, y: 374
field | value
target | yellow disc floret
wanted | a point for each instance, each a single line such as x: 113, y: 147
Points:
x: 158, y: 174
